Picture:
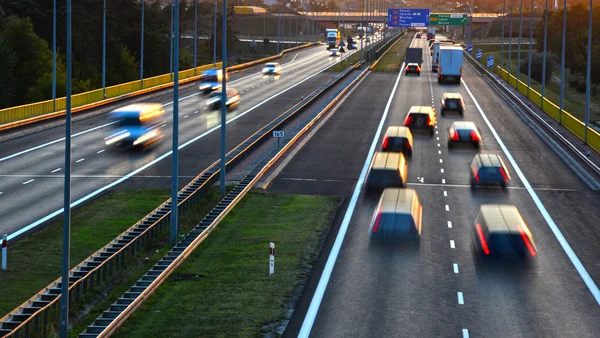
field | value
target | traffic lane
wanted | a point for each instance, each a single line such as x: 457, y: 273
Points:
x: 389, y: 290
x: 194, y: 158
x: 83, y: 122
x: 545, y: 298
x: 540, y: 163
x: 322, y: 166
x: 189, y: 107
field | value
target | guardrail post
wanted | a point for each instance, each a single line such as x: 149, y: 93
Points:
x: 4, y: 251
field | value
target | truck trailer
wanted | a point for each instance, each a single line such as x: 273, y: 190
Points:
x: 332, y: 38
x: 450, y: 65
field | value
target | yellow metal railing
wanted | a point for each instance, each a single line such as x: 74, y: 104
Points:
x: 31, y: 110
x: 569, y: 121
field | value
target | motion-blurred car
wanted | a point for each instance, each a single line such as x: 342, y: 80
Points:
x: 489, y: 169
x: 418, y: 36
x: 399, y: 214
x: 388, y: 170
x: 214, y: 99
x: 334, y: 52
x: 352, y: 46
x: 463, y: 132
x: 412, y: 68
x: 398, y: 139
x: 210, y: 80
x: 452, y: 102
x: 501, y: 232
x: 272, y: 68
x: 421, y: 117
x: 137, y: 126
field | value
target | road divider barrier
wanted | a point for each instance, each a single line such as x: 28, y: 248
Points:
x: 40, y: 313
x: 35, y: 112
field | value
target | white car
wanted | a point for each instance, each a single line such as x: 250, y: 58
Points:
x: 272, y: 68
x: 334, y: 52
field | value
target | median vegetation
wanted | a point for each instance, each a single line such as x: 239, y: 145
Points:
x: 224, y: 289
x: 392, y: 60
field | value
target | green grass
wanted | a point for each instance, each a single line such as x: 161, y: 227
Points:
x: 35, y: 261
x: 347, y: 61
x: 233, y: 296
x: 392, y: 60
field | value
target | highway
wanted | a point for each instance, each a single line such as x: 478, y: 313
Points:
x: 32, y: 166
x: 436, y: 289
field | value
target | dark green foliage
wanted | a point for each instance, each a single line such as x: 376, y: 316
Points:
x: 537, y: 67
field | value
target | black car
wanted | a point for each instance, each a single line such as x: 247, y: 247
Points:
x: 452, y: 102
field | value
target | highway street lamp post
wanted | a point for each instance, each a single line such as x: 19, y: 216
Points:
x: 64, y: 292
x: 223, y: 94
x: 171, y: 45
x: 142, y: 49
x: 362, y: 25
x: 215, y: 36
x: 175, y: 155
x: 54, y: 57
x: 530, y: 48
x: 519, y: 47
x: 562, y: 63
x: 502, y: 44
x: 544, y: 55
x: 195, y: 34
x: 510, y: 29
x: 104, y: 50
x: 588, y: 88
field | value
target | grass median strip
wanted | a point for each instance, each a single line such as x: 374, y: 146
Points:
x: 392, y: 60
x: 35, y: 261
x: 223, y: 289
x: 347, y: 61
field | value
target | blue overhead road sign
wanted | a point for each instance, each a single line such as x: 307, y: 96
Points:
x: 408, y: 17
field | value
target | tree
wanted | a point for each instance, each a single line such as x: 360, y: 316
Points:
x: 8, y: 59
x: 32, y: 57
x: 537, y: 62
x: 332, y: 6
x: 232, y: 39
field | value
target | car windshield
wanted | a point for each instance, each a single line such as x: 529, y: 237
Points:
x: 209, y: 78
x: 129, y: 122
x: 452, y: 103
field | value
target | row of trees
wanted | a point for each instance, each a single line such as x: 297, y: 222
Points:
x: 26, y: 40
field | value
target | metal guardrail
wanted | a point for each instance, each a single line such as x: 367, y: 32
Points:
x: 526, y: 108
x: 14, y: 117
x: 36, y: 313
x: 117, y: 313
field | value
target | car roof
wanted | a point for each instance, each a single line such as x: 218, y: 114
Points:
x: 488, y: 160
x: 452, y: 96
x: 272, y: 64
x: 388, y: 161
x: 396, y: 201
x: 398, y: 131
x: 463, y: 125
x: 413, y: 64
x: 500, y: 218
x: 421, y: 110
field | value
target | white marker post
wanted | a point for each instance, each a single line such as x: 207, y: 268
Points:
x: 4, y: 251
x: 271, y: 259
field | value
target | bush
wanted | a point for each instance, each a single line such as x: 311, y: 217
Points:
x: 537, y: 61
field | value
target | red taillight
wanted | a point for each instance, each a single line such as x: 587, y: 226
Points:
x: 385, y: 143
x: 408, y: 146
x: 455, y: 135
x: 408, y: 121
x: 377, y: 220
x: 475, y: 174
x: 484, y: 245
x: 475, y: 135
x: 418, y: 69
x: 504, y: 174
x: 407, y: 69
x: 430, y: 121
x: 528, y: 243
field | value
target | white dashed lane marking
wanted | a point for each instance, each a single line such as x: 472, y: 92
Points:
x: 79, y: 160
x: 100, y: 151
x: 55, y: 170
x: 455, y: 268
x: 461, y: 299
x: 27, y: 182
x: 452, y: 244
x: 449, y: 224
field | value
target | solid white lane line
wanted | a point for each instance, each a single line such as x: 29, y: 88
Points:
x: 455, y: 267
x: 156, y: 160
x: 53, y: 142
x: 449, y: 224
x: 315, y: 303
x: 461, y: 299
x: 55, y: 170
x: 589, y: 282
x: 452, y: 244
x: 100, y: 151
x: 447, y: 207
x: 27, y: 182
x: 445, y: 193
x: 79, y: 160
x: 465, y: 333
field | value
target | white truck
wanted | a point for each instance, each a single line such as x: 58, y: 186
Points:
x: 332, y: 38
x: 450, y: 64
x: 436, y: 54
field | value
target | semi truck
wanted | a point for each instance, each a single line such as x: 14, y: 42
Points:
x: 332, y: 38
x: 430, y: 33
x: 450, y: 64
